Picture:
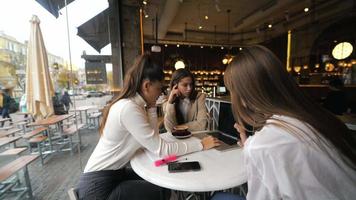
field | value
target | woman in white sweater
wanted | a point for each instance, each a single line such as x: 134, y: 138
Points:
x: 129, y: 124
x: 299, y: 150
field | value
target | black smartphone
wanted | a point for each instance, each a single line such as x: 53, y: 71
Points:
x: 183, y: 166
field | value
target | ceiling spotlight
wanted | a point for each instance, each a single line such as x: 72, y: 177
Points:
x: 156, y: 48
x: 166, y: 45
x: 269, y: 25
x: 224, y: 61
x: 201, y: 47
x: 144, y: 2
x: 145, y: 13
x: 306, y: 9
x: 240, y: 48
x: 206, y: 17
x: 200, y: 27
x: 227, y: 59
x: 177, y: 45
x: 222, y: 47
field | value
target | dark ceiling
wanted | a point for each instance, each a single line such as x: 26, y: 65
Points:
x: 247, y: 22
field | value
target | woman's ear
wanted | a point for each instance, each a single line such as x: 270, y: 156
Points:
x: 145, y: 86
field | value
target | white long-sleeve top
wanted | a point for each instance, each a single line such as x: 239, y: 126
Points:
x: 184, y: 106
x: 129, y: 127
x: 281, y: 166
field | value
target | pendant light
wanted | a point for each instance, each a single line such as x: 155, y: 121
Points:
x: 228, y: 57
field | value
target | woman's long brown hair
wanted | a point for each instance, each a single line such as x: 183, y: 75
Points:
x: 143, y: 68
x: 260, y: 87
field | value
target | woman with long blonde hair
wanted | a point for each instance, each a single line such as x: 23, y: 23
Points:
x: 299, y: 150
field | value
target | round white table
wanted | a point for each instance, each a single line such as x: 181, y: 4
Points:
x: 219, y: 170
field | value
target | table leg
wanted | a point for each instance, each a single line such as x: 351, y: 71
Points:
x: 24, y: 128
x: 86, y: 118
x: 28, y: 183
x: 80, y: 116
x: 49, y: 140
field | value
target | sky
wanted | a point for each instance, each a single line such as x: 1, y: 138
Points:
x: 15, y: 18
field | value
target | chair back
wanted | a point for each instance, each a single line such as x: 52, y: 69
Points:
x: 72, y: 193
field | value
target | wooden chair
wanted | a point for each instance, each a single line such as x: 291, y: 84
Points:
x: 40, y: 141
x: 35, y: 132
x: 22, y: 124
x: 73, y: 194
x: 210, y: 124
x: 94, y: 119
x: 70, y: 132
x: 13, y: 151
x: 34, y: 138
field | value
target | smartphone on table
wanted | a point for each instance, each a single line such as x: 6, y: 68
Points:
x: 183, y: 166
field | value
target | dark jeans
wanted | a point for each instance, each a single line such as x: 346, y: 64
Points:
x: 121, y: 184
x: 67, y: 106
x: 5, y: 114
x: 227, y: 196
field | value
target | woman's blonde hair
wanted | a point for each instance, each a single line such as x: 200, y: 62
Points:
x: 261, y: 87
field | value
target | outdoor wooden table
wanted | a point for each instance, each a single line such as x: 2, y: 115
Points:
x: 8, y: 140
x: 13, y: 168
x: 9, y: 132
x: 4, y: 134
x: 30, y: 117
x: 85, y: 110
x: 3, y: 120
x: 52, y: 120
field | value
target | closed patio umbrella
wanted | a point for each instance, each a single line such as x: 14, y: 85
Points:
x: 39, y: 87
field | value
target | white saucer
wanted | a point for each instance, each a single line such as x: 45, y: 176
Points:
x: 183, y: 137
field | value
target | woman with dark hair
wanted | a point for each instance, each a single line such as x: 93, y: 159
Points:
x: 130, y: 123
x: 185, y: 106
x: 299, y: 150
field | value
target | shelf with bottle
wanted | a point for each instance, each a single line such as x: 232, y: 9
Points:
x: 203, y: 78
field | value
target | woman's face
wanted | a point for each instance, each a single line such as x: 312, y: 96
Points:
x: 154, y: 90
x: 185, y: 86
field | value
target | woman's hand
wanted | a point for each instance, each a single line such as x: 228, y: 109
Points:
x: 209, y: 142
x: 241, y: 130
x: 174, y: 94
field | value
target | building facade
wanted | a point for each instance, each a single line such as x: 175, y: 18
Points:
x: 13, y: 56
